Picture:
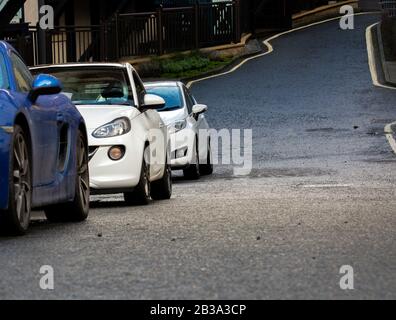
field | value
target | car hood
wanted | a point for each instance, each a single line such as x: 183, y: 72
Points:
x: 169, y: 117
x: 96, y: 116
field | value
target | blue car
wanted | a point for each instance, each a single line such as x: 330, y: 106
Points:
x: 43, y: 148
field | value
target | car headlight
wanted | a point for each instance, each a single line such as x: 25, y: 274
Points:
x: 115, y: 128
x: 177, y: 126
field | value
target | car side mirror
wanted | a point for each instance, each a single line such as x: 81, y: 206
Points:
x: 44, y: 84
x: 199, y: 109
x: 153, y: 102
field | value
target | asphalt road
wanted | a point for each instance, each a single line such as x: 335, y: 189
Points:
x: 321, y: 195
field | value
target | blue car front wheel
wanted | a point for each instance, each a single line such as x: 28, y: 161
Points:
x: 15, y: 220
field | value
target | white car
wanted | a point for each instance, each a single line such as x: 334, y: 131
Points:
x: 128, y: 142
x: 190, y: 142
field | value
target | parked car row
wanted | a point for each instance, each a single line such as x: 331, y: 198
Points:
x: 77, y: 129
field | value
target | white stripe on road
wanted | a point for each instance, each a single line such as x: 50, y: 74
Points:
x: 315, y: 186
x: 270, y: 48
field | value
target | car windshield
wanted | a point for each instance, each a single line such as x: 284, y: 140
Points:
x: 94, y: 86
x: 172, y: 96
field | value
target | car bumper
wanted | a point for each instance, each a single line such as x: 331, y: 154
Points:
x: 182, y: 148
x: 107, y: 174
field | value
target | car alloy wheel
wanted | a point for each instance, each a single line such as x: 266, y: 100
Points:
x: 83, y: 174
x: 169, y: 176
x: 207, y: 168
x: 141, y: 193
x: 162, y: 188
x: 192, y: 172
x: 15, y: 220
x: 21, y: 180
x: 146, y: 182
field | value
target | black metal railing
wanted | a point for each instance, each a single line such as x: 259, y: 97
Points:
x: 389, y: 7
x: 218, y: 24
x: 172, y: 29
x: 135, y: 34
x: 75, y: 43
x: 25, y: 39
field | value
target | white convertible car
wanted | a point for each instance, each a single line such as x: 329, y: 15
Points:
x: 190, y: 142
x: 128, y: 142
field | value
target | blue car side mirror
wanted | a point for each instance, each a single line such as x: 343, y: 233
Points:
x: 44, y: 84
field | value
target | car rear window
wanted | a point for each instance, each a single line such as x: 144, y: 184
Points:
x: 91, y: 86
x: 171, y: 95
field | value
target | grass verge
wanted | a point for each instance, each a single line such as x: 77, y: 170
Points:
x: 184, y: 66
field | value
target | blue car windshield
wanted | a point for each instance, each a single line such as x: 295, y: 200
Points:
x: 172, y: 96
x: 94, y: 86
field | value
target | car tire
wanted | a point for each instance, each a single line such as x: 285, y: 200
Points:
x: 192, y: 171
x: 16, y: 219
x: 78, y: 209
x: 140, y: 196
x: 207, y: 169
x: 162, y: 189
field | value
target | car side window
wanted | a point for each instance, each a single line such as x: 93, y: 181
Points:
x: 189, y: 100
x: 4, y: 83
x: 23, y: 77
x: 140, y: 90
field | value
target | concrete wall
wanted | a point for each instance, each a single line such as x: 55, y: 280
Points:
x: 31, y: 9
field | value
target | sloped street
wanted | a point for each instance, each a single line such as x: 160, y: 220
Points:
x: 321, y: 195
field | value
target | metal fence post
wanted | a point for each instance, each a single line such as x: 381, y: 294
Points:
x: 43, y: 53
x: 196, y: 24
x: 103, y: 44
x: 160, y: 31
x: 237, y: 21
x: 117, y: 37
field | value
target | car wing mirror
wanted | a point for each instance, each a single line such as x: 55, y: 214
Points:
x: 199, y: 109
x: 153, y: 102
x: 44, y: 84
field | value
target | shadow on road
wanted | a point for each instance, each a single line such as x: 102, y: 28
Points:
x: 110, y: 204
x: 182, y: 180
x: 41, y: 228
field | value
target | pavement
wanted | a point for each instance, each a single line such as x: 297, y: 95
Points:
x: 321, y: 195
x: 369, y: 5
